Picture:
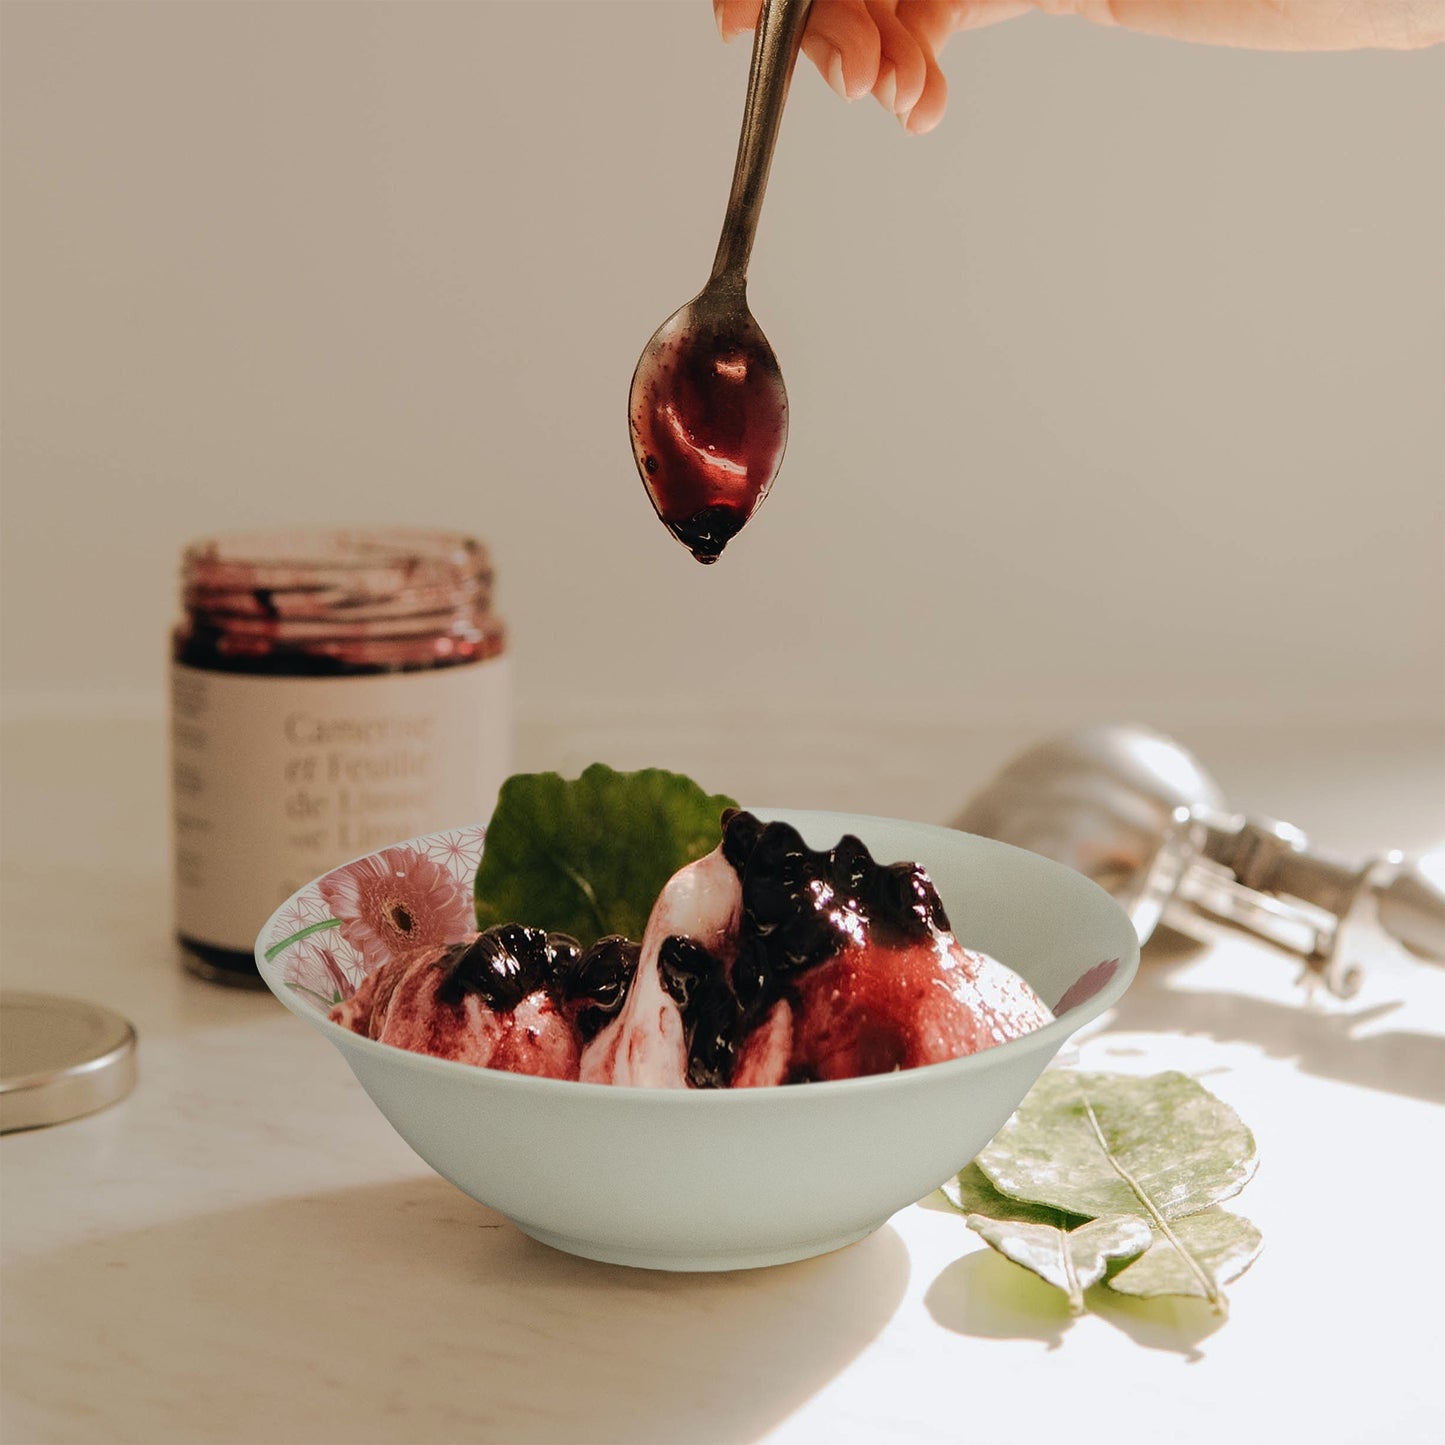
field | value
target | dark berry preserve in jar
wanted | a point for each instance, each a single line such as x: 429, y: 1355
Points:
x: 332, y: 692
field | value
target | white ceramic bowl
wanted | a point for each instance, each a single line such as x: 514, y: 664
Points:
x: 727, y: 1179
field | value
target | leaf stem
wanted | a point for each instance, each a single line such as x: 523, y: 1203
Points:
x: 1071, y: 1275
x: 585, y: 889
x: 1212, y: 1291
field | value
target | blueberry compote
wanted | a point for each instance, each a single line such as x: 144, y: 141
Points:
x: 709, y: 419
x: 517, y: 999
x: 509, y: 962
x: 802, y: 909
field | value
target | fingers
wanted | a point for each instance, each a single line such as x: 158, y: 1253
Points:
x: 886, y: 47
x: 930, y: 24
x: 842, y: 41
x: 902, y: 66
x: 891, y: 47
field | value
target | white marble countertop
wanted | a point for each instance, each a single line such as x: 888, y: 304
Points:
x: 244, y: 1251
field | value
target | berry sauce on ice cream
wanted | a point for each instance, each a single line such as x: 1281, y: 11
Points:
x: 510, y: 998
x: 819, y: 965
x: 763, y: 962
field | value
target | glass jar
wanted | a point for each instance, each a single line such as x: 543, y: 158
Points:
x: 332, y: 692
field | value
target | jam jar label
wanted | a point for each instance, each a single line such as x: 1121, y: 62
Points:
x: 276, y: 780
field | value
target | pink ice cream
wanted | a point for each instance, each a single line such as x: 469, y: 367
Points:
x: 769, y: 963
x: 511, y: 998
x: 763, y: 963
x: 402, y: 1003
x: 647, y: 1042
x: 871, y: 1010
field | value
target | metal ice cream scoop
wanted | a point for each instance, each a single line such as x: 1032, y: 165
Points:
x: 1137, y: 813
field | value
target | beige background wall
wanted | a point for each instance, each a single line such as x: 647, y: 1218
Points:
x: 1121, y: 394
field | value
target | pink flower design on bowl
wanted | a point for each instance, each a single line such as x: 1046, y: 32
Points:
x: 394, y: 902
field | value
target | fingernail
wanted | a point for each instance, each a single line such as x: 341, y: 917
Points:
x: 886, y: 88
x: 835, y: 73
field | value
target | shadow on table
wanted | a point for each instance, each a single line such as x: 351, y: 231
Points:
x: 408, y: 1312
x: 988, y: 1297
x: 1320, y: 1041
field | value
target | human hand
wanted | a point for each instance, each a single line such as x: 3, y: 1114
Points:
x: 890, y: 48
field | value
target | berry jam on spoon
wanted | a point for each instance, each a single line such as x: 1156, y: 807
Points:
x: 708, y: 408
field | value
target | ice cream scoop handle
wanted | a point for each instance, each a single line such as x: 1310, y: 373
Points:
x: 1412, y: 910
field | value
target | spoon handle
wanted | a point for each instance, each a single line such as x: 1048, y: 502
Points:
x: 775, y: 50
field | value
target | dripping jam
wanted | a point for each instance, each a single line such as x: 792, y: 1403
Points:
x: 708, y: 429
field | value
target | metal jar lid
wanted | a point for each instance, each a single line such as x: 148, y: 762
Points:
x: 60, y: 1058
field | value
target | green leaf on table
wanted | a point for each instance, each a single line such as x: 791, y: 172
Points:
x: 1069, y: 1259
x: 1094, y: 1144
x: 1226, y: 1244
x: 1161, y: 1149
x: 588, y: 856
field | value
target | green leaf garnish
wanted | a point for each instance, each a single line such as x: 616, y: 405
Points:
x: 589, y: 856
x: 1161, y: 1151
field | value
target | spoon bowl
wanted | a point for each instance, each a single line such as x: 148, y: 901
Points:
x: 709, y: 419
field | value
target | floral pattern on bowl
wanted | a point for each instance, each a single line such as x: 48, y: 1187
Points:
x: 340, y: 927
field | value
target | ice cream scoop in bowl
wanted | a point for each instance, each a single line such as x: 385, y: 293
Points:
x: 705, y: 1179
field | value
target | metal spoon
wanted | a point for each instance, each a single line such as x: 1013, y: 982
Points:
x: 708, y: 409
